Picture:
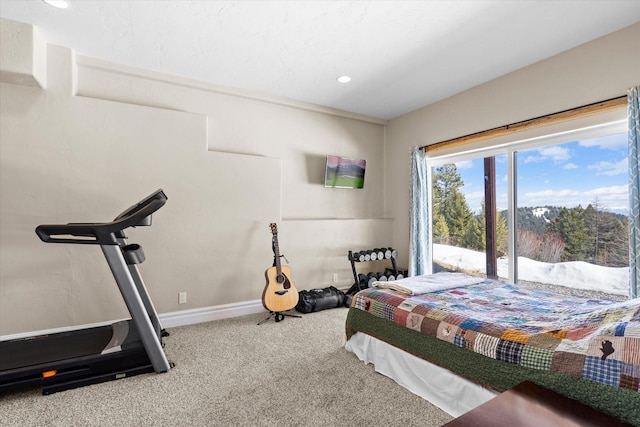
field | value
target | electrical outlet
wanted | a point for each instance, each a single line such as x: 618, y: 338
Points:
x: 335, y: 277
x: 182, y: 298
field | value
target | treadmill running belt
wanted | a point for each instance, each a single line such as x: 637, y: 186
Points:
x: 31, y: 351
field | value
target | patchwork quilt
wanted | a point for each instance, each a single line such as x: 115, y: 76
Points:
x: 588, y: 338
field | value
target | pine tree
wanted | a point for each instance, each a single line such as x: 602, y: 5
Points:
x: 607, y: 241
x: 502, y: 233
x: 449, y: 202
x: 457, y: 215
x: 440, y: 230
x: 570, y: 226
x: 474, y: 236
x: 613, y: 242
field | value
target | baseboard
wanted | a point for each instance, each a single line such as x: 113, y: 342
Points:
x: 207, y: 314
x: 168, y: 320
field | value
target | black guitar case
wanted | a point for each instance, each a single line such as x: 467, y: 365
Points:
x: 320, y: 299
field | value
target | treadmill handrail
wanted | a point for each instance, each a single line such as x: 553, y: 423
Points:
x: 101, y: 233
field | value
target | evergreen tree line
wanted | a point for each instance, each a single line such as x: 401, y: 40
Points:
x: 588, y: 234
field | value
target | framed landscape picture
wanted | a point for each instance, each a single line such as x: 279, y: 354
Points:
x: 343, y: 172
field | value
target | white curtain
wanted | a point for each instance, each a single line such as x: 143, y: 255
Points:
x: 419, y: 244
x: 634, y: 190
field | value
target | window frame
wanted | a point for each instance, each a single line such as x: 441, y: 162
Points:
x: 611, y: 121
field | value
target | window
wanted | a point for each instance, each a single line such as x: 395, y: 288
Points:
x: 459, y: 215
x: 561, y: 208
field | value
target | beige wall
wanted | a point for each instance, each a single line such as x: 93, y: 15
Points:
x: 102, y: 136
x: 602, y: 69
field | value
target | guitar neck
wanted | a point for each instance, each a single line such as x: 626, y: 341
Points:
x: 276, y: 252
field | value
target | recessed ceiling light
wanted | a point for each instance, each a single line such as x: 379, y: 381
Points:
x: 60, y: 4
x: 344, y: 79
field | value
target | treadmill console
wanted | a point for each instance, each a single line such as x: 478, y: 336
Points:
x: 157, y: 195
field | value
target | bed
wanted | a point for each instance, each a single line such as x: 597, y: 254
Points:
x: 457, y: 340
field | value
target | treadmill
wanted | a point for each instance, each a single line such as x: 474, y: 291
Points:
x: 71, y: 359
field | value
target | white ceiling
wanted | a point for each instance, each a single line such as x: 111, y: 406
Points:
x: 401, y: 55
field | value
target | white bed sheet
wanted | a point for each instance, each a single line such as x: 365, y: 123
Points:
x: 424, y: 284
x: 448, y: 391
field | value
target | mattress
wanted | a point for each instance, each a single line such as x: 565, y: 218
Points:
x: 498, y: 335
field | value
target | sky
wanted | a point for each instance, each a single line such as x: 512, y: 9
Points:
x: 577, y: 172
x: 333, y: 161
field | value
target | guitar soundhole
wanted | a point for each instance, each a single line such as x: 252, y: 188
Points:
x: 281, y: 278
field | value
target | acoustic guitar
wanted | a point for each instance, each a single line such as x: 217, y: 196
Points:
x: 279, y: 294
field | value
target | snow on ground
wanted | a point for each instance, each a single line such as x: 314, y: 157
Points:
x: 574, y: 274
